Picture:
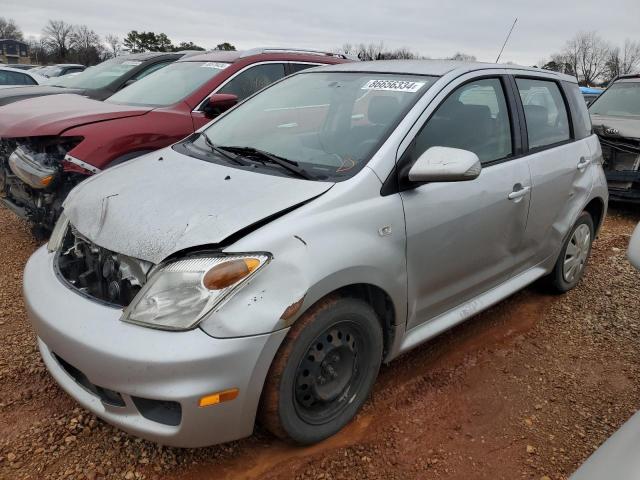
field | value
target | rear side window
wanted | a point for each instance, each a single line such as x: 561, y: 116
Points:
x: 544, y: 111
x: 15, y: 78
x: 475, y: 118
x: 150, y: 69
x: 579, y: 112
x: 296, y: 67
x: 253, y: 79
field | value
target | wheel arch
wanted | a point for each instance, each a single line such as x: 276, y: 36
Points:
x: 596, y: 208
x: 374, y: 295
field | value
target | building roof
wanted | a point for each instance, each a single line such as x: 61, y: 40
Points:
x: 12, y: 40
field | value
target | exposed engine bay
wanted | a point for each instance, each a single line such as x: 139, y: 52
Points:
x: 32, y: 181
x: 99, y: 273
x: 622, y: 166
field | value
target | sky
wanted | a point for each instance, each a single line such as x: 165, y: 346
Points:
x: 435, y: 29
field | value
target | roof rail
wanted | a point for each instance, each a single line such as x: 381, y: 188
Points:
x: 261, y: 50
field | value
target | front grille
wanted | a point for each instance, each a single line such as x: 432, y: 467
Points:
x: 99, y: 273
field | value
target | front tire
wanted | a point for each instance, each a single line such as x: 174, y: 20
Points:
x: 323, y: 372
x: 575, y: 252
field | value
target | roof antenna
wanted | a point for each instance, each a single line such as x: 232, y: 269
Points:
x: 506, y: 39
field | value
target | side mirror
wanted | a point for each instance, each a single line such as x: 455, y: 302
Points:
x: 634, y: 248
x: 218, y: 103
x: 445, y: 164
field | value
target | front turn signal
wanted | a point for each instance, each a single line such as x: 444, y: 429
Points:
x: 229, y: 273
x: 219, y: 397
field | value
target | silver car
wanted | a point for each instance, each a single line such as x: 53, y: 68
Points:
x: 264, y: 267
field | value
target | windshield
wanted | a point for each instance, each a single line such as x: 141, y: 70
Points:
x: 329, y: 123
x: 169, y: 85
x: 97, y: 77
x: 622, y: 99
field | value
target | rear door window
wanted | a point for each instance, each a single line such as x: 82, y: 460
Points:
x: 545, y: 112
x: 253, y: 79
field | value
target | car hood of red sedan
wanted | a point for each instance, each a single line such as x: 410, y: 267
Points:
x: 53, y: 114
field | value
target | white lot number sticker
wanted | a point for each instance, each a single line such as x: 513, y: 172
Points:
x: 219, y: 66
x: 131, y: 62
x: 393, y: 85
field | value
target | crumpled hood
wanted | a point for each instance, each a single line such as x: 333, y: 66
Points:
x: 149, y: 208
x: 53, y: 114
x: 627, y: 127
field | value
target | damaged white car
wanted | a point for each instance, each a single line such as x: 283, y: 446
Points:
x: 265, y: 266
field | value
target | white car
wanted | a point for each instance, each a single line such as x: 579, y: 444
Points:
x: 617, y: 458
x: 14, y: 76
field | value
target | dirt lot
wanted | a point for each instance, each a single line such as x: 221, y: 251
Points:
x: 526, y: 390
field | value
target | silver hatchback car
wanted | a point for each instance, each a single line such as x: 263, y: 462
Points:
x: 264, y: 267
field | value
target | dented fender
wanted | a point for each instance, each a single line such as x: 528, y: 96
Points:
x: 342, y: 238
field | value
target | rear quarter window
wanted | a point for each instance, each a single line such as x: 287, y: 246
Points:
x: 579, y: 112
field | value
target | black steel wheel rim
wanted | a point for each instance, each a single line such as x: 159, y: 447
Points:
x: 331, y: 373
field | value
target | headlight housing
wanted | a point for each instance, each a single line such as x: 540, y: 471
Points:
x: 180, y: 294
x: 59, y: 231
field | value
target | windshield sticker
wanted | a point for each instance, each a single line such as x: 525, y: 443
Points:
x: 132, y: 62
x: 219, y: 66
x: 393, y: 85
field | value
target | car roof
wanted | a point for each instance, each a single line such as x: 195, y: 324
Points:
x: 432, y: 67
x: 235, y: 55
x: 67, y: 65
x: 591, y: 90
x: 629, y: 76
x: 148, y: 55
x: 17, y: 70
x: 36, y: 76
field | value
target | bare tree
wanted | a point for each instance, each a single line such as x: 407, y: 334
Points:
x: 57, y: 36
x: 9, y: 29
x: 587, y: 54
x: 114, y: 44
x: 463, y: 57
x: 85, y: 45
x: 375, y: 51
x: 623, y: 61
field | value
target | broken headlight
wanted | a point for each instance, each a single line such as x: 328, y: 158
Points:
x: 178, y: 295
x: 59, y: 231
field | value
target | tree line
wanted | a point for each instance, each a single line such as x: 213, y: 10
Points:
x: 62, y: 42
x: 593, y: 60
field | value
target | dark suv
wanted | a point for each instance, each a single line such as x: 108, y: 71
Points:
x: 97, y: 82
x: 616, y: 119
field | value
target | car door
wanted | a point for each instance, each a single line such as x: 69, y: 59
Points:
x: 558, y: 162
x: 243, y: 84
x: 463, y: 238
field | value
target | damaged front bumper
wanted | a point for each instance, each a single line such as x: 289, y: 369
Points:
x: 144, y: 381
x: 622, y: 167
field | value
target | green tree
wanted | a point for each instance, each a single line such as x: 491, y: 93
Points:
x: 137, y: 42
x: 187, y: 46
x: 225, y: 46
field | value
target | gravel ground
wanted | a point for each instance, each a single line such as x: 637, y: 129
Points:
x: 528, y: 389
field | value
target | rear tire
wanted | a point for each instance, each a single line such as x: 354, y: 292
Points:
x: 572, y: 261
x: 323, y: 372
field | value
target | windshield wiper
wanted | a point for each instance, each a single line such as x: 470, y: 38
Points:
x: 285, y: 163
x: 220, y: 151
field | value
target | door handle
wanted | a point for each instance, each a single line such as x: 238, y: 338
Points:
x: 582, y: 163
x: 518, y: 193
